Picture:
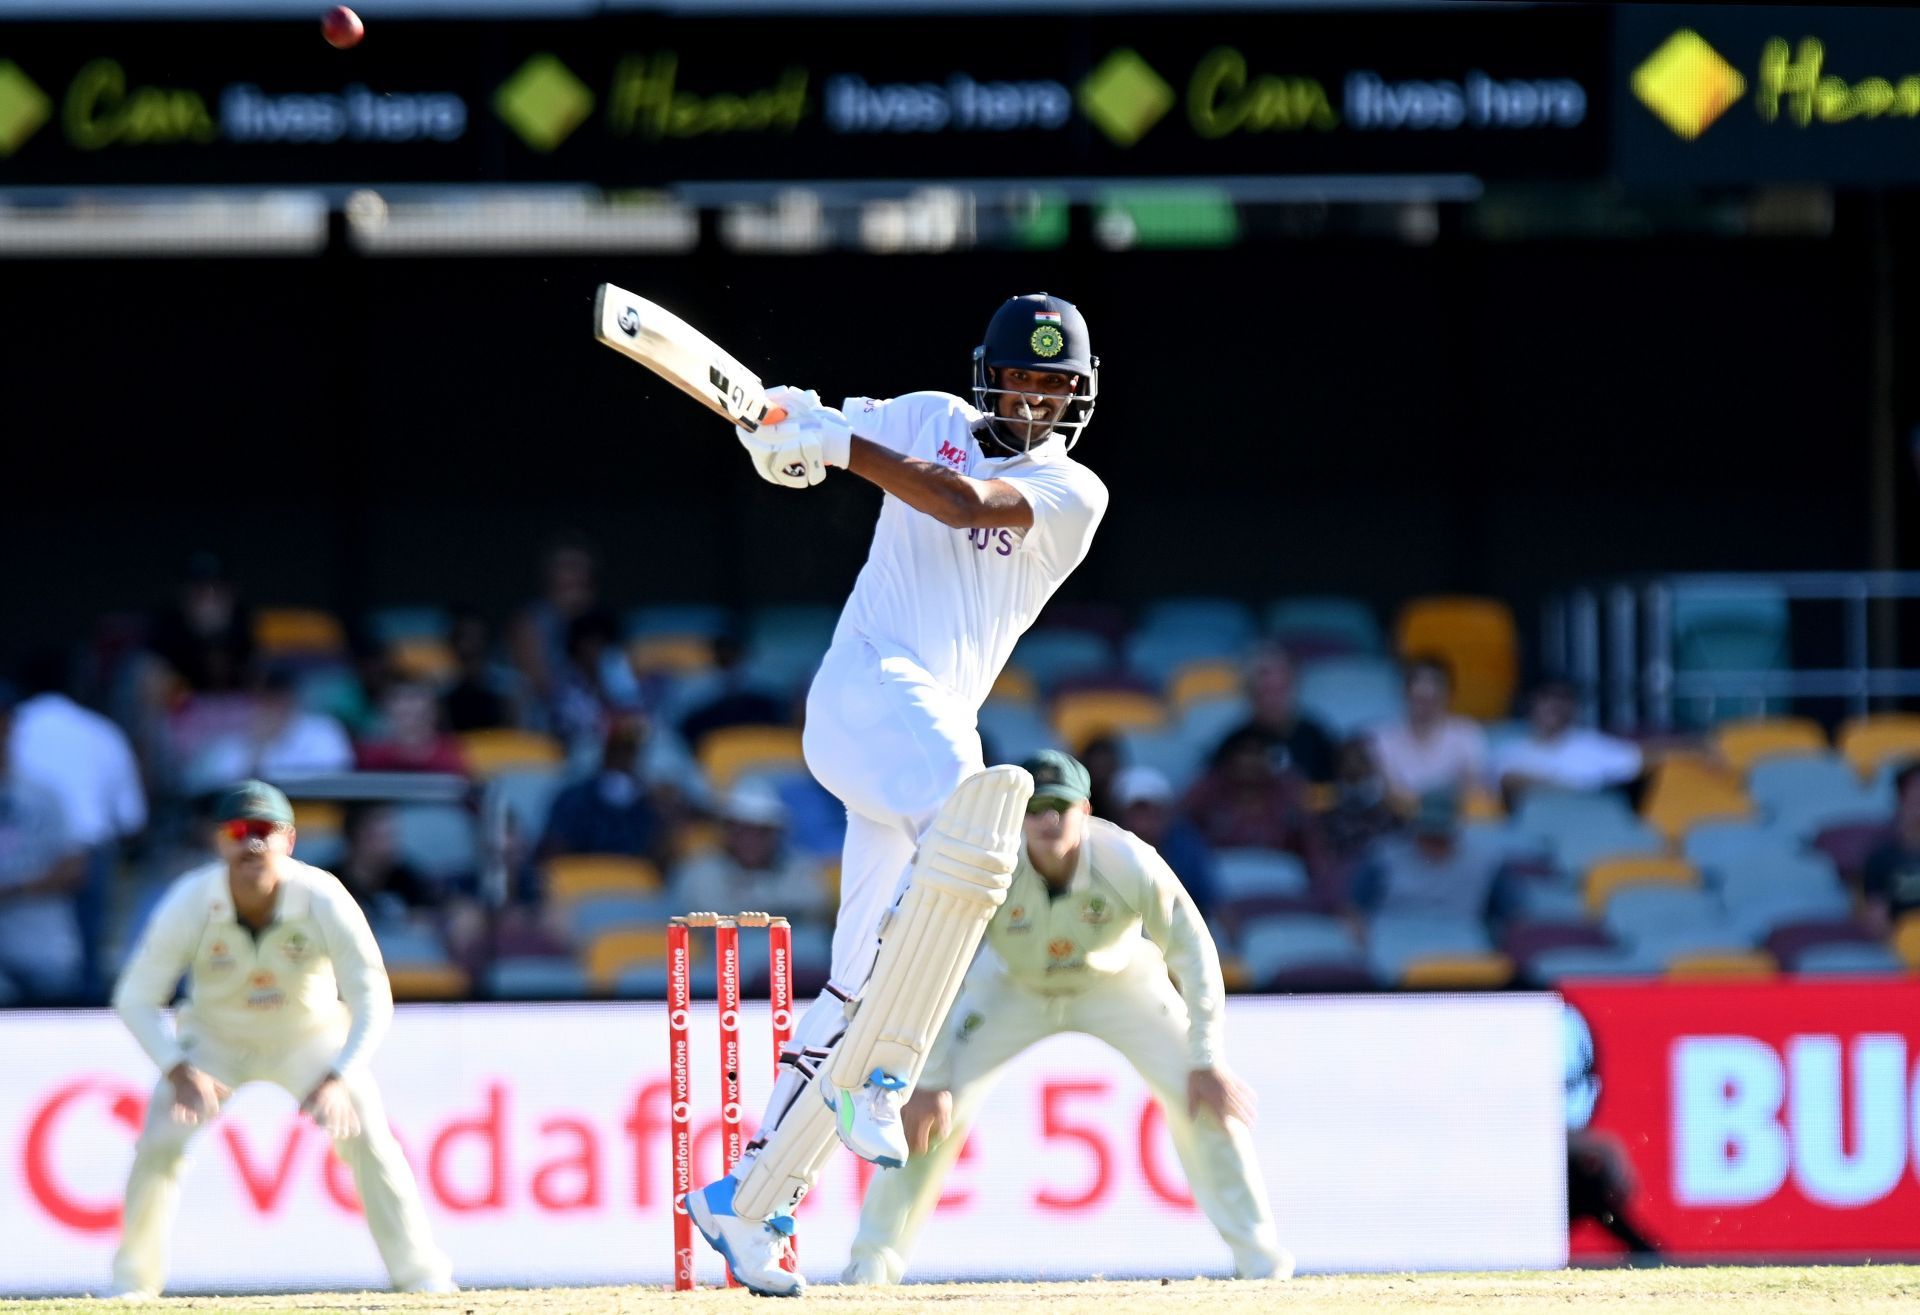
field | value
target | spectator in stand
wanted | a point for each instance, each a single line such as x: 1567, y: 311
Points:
x: 481, y: 697
x: 1432, y: 749
x: 752, y: 868
x: 387, y: 888
x: 736, y: 700
x: 1297, y: 739
x: 42, y: 867
x: 595, y: 684
x: 1144, y: 804
x: 1101, y: 758
x: 86, y: 760
x: 613, y: 811
x: 1245, y: 801
x: 1892, y: 881
x: 1436, y: 870
x: 1361, y: 811
x: 206, y: 636
x: 283, y: 741
x: 1558, y: 755
x: 539, y: 639
x: 410, y: 738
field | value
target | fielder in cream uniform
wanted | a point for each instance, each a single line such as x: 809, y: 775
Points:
x: 285, y: 985
x: 1065, y: 954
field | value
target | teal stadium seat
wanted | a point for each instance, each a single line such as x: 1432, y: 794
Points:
x: 1351, y: 694
x: 1728, y: 625
x: 387, y: 626
x: 1325, y: 625
x: 1050, y: 656
x: 704, y: 619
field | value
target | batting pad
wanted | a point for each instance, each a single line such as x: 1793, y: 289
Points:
x: 798, y: 1147
x: 960, y: 876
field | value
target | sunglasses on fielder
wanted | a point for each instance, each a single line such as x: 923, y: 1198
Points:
x: 244, y: 829
x: 1041, y: 803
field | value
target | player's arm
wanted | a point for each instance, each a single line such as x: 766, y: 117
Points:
x: 162, y: 957
x: 946, y: 495
x: 1172, y: 921
x: 360, y: 971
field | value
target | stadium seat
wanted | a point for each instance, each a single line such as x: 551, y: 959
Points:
x: 1579, y: 849
x: 1207, y: 679
x: 1872, y: 741
x: 1849, y: 958
x: 1551, y: 967
x: 1351, y: 694
x: 1524, y: 938
x: 1227, y: 619
x: 1608, y: 877
x: 733, y: 751
x: 1548, y: 899
x: 1478, y: 641
x: 1906, y: 939
x: 669, y: 655
x: 1743, y: 743
x: 438, y: 839
x: 1779, y: 873
x: 1206, y: 722
x: 1783, y: 785
x: 1080, y: 718
x: 423, y: 658
x: 1171, y: 752
x: 1396, y: 940
x: 1714, y: 846
x: 1727, y: 626
x: 785, y: 643
x: 592, y: 916
x: 528, y: 798
x: 1789, y: 941
x: 312, y: 817
x: 1295, y: 941
x: 704, y: 620
x: 1549, y: 814
x: 428, y: 982
x: 298, y: 632
x: 536, y: 978
x: 572, y: 877
x: 1013, y: 732
x: 1849, y: 844
x: 1652, y: 915
x: 1052, y: 655
x: 1244, y: 873
x: 409, y: 944
x: 1015, y: 685
x: 1759, y: 909
x: 1458, y: 972
x: 1688, y: 790
x: 1325, y: 626
x: 388, y: 626
x: 490, y: 753
x: 1722, y: 965
x: 1158, y: 655
x: 613, y: 953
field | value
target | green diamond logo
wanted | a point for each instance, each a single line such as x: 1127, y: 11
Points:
x: 1125, y: 97
x: 543, y: 102
x: 23, y: 108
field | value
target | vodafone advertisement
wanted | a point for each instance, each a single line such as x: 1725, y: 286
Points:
x: 1770, y: 1120
x: 1418, y: 1132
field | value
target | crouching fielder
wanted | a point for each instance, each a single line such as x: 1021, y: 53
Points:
x: 1065, y: 954
x: 269, y: 947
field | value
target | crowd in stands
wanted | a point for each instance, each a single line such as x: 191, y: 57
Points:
x: 520, y: 810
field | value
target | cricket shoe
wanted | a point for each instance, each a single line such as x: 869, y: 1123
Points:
x: 868, y: 1120
x: 1278, y: 1265
x: 758, y: 1251
x: 876, y: 1267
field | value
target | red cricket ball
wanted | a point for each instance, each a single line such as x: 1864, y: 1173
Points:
x: 342, y: 28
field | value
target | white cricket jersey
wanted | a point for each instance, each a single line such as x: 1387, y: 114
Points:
x: 267, y: 991
x: 1070, y: 942
x: 956, y: 600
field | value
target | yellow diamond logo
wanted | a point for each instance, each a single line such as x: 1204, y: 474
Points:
x: 543, y: 102
x: 1125, y: 97
x: 1688, y: 84
x: 23, y: 108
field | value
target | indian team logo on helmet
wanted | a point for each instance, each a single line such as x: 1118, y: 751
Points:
x: 1046, y: 339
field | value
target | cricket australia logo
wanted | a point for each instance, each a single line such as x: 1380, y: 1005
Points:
x: 630, y: 322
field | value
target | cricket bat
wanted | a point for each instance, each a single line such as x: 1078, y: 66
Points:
x: 682, y: 355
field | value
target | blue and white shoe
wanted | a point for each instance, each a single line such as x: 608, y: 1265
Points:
x: 758, y: 1251
x: 868, y: 1120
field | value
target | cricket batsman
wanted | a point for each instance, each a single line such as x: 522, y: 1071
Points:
x: 1065, y: 954
x: 285, y: 985
x: 986, y: 513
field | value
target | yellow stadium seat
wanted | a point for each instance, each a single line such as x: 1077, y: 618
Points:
x: 1458, y: 972
x: 1610, y: 875
x: 428, y: 982
x: 318, y: 816
x: 1209, y: 679
x: 1234, y: 974
x: 1477, y: 640
x: 1015, y: 685
x: 1738, y: 964
x: 1482, y: 806
x: 577, y: 876
x: 829, y: 879
x: 613, y: 952
x: 279, y: 631
x: 423, y: 658
x: 1086, y: 716
x: 488, y: 753
x: 1906, y: 939
x: 670, y: 654
x: 732, y: 751
x: 695, y: 837
x: 1871, y: 741
x: 1741, y: 744
x: 1690, y: 788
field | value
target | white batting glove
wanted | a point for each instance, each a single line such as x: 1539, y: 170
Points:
x: 796, y: 452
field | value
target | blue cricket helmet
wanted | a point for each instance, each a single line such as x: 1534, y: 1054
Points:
x: 1042, y: 333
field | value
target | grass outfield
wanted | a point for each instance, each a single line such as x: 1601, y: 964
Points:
x: 1813, y: 1291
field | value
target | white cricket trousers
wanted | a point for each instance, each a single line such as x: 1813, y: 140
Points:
x: 386, y: 1185
x: 1138, y: 1013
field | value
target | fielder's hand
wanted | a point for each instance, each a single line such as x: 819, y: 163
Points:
x: 1217, y: 1090
x: 796, y: 452
x: 332, y: 1108
x: 196, y: 1096
x: 926, y: 1119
